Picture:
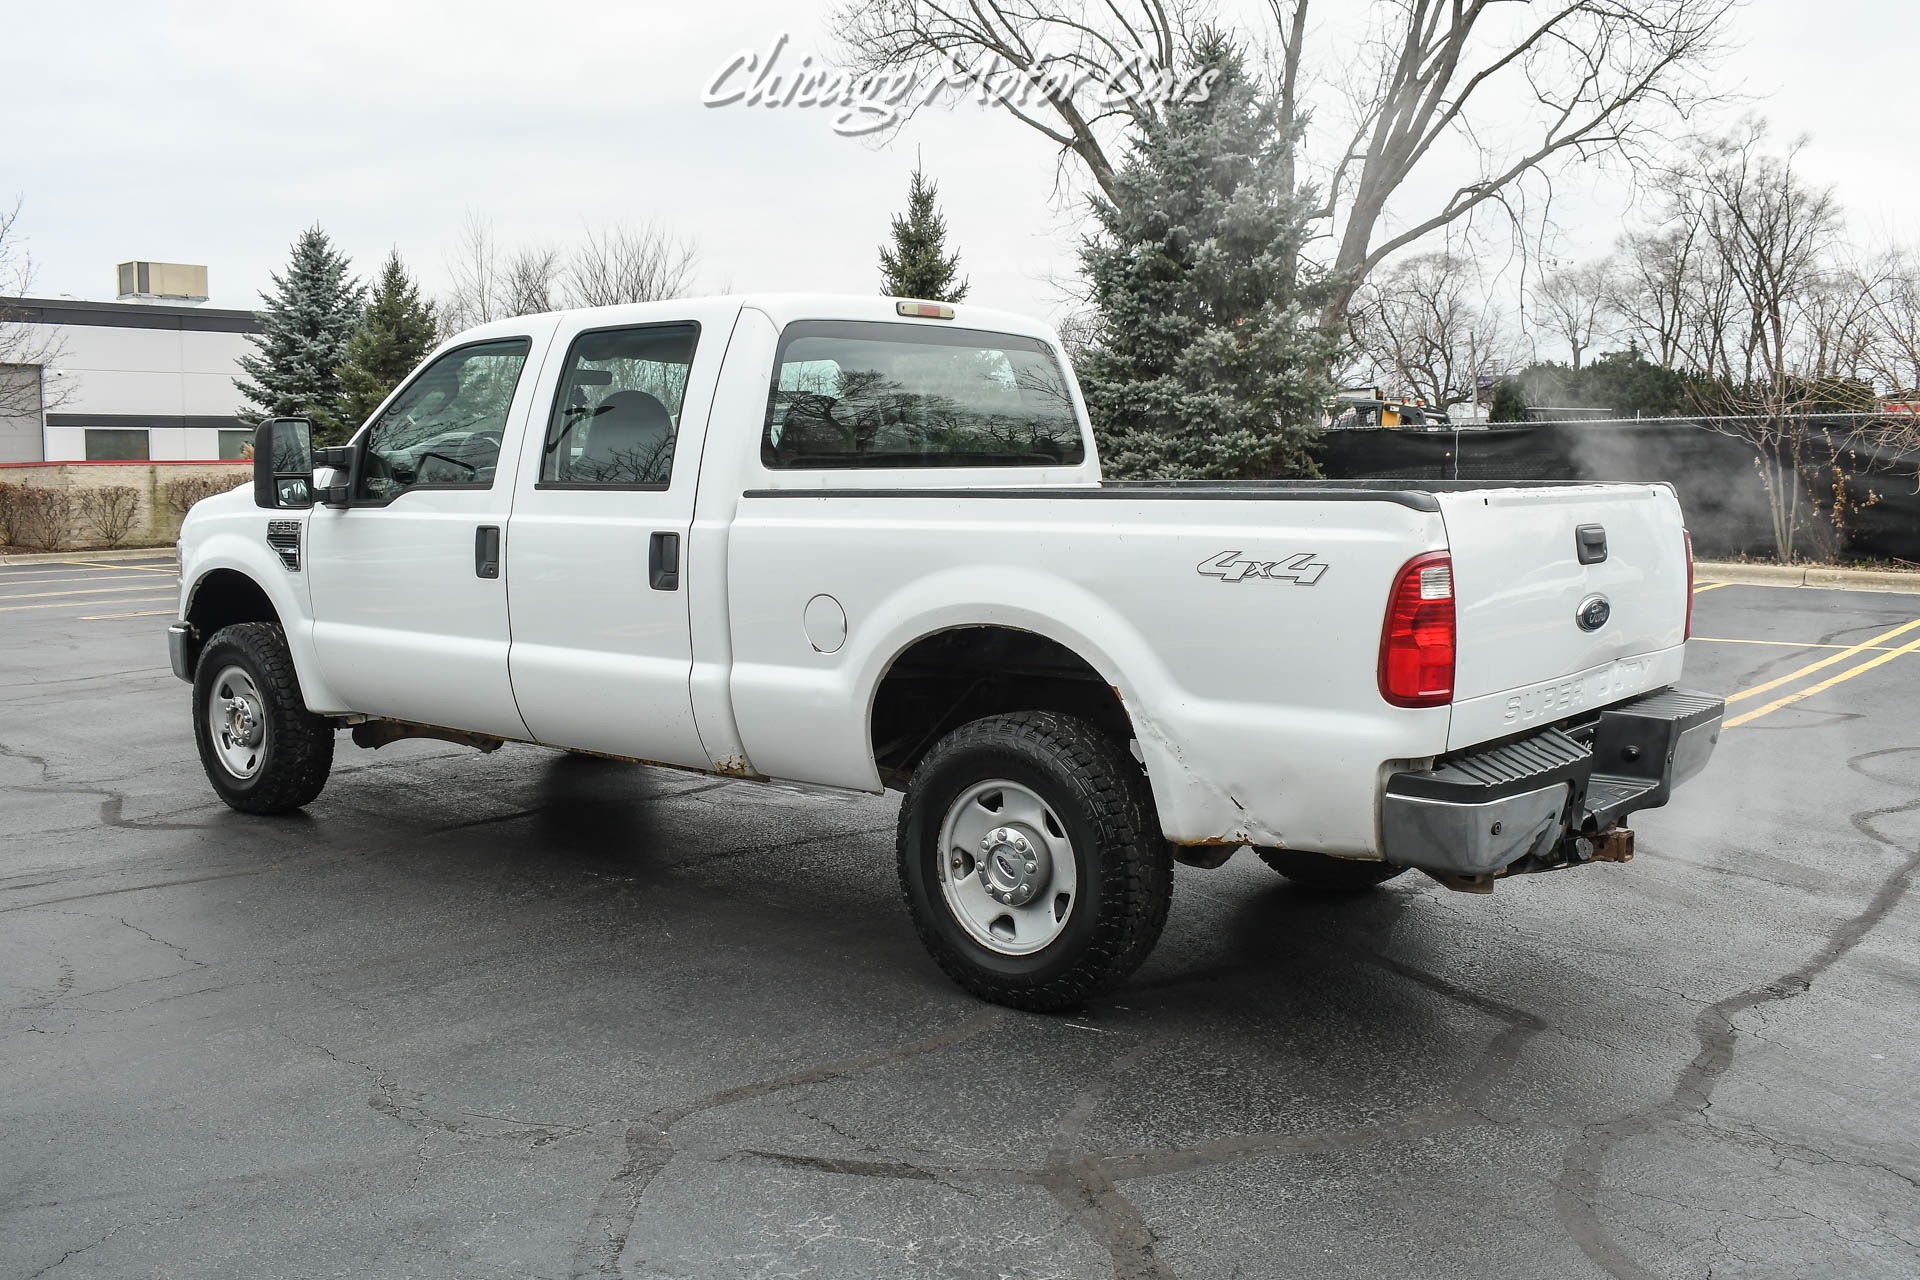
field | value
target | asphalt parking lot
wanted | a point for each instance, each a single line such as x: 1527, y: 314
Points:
x: 532, y: 1015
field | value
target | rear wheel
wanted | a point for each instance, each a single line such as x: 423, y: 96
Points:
x: 1326, y: 874
x: 1031, y: 860
x: 262, y: 750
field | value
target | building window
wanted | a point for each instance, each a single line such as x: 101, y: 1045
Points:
x: 234, y: 444
x: 116, y: 444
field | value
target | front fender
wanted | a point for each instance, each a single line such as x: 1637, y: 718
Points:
x: 245, y: 551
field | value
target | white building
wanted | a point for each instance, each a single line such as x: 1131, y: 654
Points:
x: 144, y: 378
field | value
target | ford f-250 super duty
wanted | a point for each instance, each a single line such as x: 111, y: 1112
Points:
x: 864, y: 543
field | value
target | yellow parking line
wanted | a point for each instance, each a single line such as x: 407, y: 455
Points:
x: 1827, y: 661
x: 1910, y: 647
x: 109, y: 617
x: 1709, y: 586
x: 85, y: 591
x: 131, y: 596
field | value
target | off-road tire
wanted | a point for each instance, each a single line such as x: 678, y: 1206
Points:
x: 298, y: 747
x: 1124, y: 870
x: 1324, y: 874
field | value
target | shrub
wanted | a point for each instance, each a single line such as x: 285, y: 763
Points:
x: 8, y: 529
x: 181, y: 494
x: 109, y: 511
x: 42, y: 516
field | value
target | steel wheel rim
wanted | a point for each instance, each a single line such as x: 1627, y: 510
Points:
x: 997, y: 833
x: 237, y: 723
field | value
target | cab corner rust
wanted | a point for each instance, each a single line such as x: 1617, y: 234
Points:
x: 735, y: 766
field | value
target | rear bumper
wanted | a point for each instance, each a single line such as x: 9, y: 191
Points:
x: 180, y: 649
x: 1525, y: 804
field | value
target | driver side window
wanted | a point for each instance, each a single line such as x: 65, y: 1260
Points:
x: 444, y: 430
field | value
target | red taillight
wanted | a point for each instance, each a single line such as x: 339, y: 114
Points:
x: 1688, y: 539
x: 1416, y: 645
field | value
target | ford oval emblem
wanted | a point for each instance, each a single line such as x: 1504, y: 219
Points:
x: 1593, y: 613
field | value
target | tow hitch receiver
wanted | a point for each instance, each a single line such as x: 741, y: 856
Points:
x: 1615, y: 844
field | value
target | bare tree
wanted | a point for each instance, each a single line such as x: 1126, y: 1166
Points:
x: 1574, y: 304
x: 1769, y: 243
x: 611, y: 265
x: 1840, y: 332
x: 1079, y: 332
x: 1652, y: 275
x: 474, y: 265
x: 27, y: 352
x: 1892, y: 300
x: 1426, y: 331
x: 622, y: 263
x: 1591, y: 79
x: 531, y: 282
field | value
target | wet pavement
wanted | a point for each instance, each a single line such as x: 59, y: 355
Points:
x: 536, y: 1015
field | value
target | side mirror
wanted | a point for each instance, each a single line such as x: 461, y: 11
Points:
x: 283, y: 463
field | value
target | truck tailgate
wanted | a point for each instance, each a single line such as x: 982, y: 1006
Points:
x: 1526, y: 655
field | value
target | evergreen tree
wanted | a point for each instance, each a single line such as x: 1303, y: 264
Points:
x: 295, y: 368
x: 918, y: 265
x: 1509, y: 402
x: 394, y: 335
x: 1210, y: 363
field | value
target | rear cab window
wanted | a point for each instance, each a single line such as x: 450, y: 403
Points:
x: 850, y: 394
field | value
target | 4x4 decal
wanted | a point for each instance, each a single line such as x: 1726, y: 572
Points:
x: 1229, y: 567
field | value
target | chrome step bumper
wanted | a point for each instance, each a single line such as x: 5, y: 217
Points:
x: 1526, y: 804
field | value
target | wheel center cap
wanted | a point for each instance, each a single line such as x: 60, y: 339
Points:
x: 242, y: 725
x: 1014, y: 866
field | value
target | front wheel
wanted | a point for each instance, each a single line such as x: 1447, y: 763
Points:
x: 1032, y: 861
x: 262, y: 749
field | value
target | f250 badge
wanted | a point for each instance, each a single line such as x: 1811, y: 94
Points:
x: 1302, y: 569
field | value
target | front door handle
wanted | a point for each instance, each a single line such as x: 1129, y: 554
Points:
x: 663, y: 562
x: 486, y: 551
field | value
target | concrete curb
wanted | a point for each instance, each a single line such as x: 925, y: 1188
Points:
x: 1807, y: 575
x: 56, y: 557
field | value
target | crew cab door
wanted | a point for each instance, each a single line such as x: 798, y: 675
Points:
x: 409, y: 599
x: 598, y: 565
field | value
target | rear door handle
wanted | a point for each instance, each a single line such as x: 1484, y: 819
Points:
x: 486, y: 551
x: 663, y: 562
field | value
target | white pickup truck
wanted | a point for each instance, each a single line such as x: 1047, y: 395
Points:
x: 864, y: 543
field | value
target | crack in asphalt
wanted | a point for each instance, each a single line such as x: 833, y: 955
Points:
x: 1580, y: 1188
x: 1085, y: 1182
x: 650, y: 1145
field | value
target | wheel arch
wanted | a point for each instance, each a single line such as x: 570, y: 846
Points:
x: 222, y: 597
x: 227, y: 587
x: 954, y: 674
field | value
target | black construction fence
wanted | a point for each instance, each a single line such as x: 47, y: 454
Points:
x: 1850, y: 464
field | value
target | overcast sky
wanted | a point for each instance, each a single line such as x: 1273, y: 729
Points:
x: 213, y: 133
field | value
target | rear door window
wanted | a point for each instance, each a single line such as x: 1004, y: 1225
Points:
x: 616, y: 414
x: 862, y: 394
